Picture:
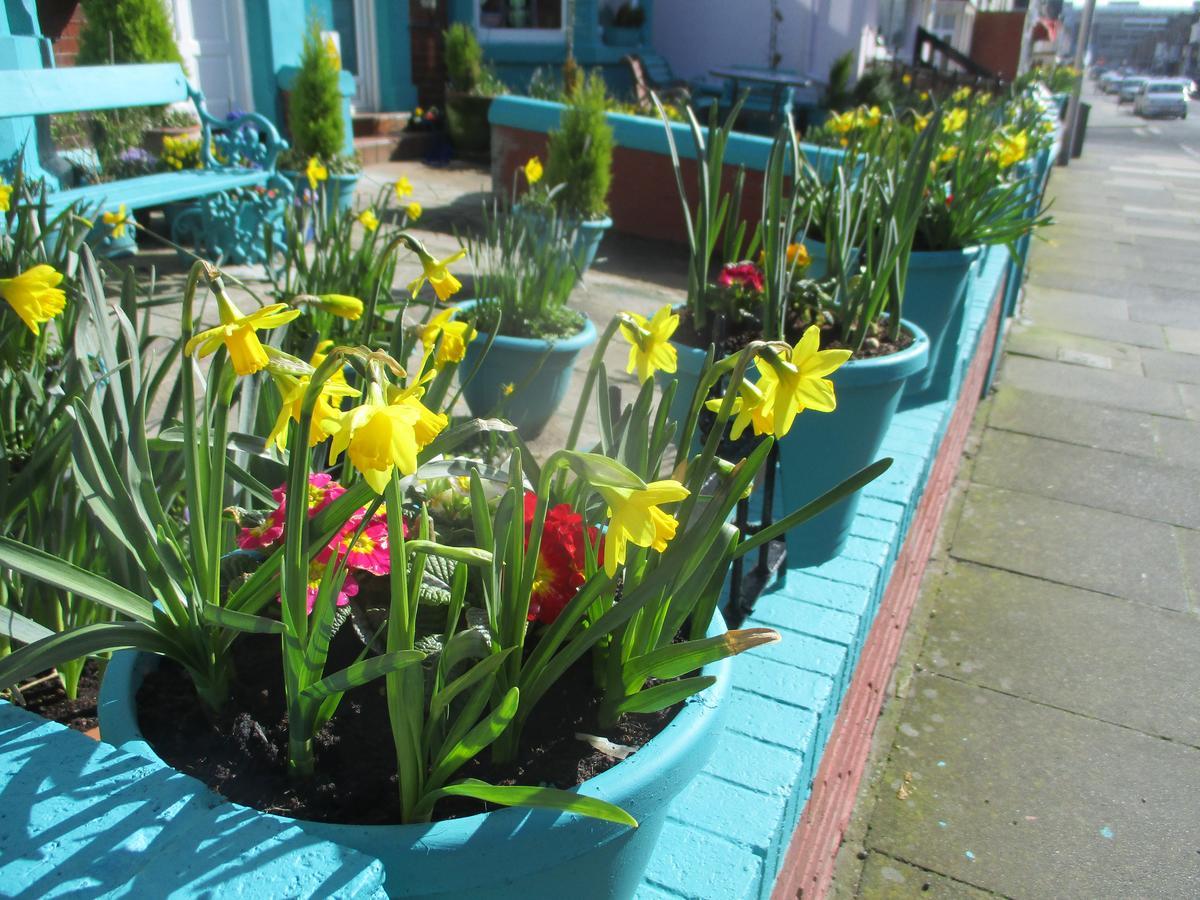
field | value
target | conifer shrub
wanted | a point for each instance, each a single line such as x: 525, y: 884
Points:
x: 315, y: 117
x: 139, y: 30
x: 464, y: 58
x: 579, y: 153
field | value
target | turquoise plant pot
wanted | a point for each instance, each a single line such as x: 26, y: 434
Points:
x: 509, y: 854
x: 587, y: 241
x: 540, y: 372
x: 689, y: 366
x: 935, y: 299
x: 824, y: 449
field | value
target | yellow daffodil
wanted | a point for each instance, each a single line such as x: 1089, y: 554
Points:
x: 414, y: 210
x: 379, y: 436
x: 920, y: 122
x: 954, y: 121
x: 1011, y: 149
x: 869, y: 118
x: 326, y: 412
x: 841, y: 123
x: 796, y: 382
x: 5, y: 196
x: 35, y: 295
x: 418, y: 112
x: 797, y: 256
x: 403, y: 187
x: 507, y: 389
x: 237, y: 333
x: 533, y: 170
x: 650, y: 349
x: 435, y: 271
x: 748, y: 408
x: 924, y: 95
x: 315, y: 172
x: 454, y: 336
x: 961, y: 94
x: 341, y: 305
x: 116, y: 221
x: 634, y: 517
x: 949, y: 155
x: 906, y: 79
x: 368, y: 219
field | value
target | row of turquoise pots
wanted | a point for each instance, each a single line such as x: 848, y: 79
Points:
x: 538, y: 371
x: 822, y: 450
x: 509, y: 854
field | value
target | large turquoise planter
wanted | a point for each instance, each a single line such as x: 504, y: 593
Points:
x: 539, y: 371
x: 510, y: 854
x: 688, y: 368
x: 935, y: 299
x: 587, y: 241
x: 824, y: 449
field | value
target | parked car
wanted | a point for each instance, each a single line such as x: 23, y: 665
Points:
x: 1109, y: 80
x: 1162, y: 98
x: 1129, y: 88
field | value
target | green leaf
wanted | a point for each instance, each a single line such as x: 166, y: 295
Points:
x: 61, y: 574
x: 240, y: 621
x: 486, y: 668
x: 362, y: 672
x: 17, y: 627
x: 536, y: 797
x: 475, y: 740
x: 674, y: 660
x: 663, y: 695
x: 51, y: 652
x: 855, y: 482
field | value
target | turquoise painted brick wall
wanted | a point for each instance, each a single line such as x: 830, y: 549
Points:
x: 787, y: 695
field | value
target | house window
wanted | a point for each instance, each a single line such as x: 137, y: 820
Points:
x: 510, y: 16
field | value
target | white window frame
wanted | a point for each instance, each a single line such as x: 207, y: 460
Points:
x: 521, y: 35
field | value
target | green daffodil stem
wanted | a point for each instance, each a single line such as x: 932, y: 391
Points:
x: 589, y: 383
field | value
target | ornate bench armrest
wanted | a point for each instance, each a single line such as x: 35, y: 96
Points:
x: 249, y: 140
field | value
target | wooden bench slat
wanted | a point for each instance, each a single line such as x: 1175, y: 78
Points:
x: 35, y: 92
x: 155, y: 190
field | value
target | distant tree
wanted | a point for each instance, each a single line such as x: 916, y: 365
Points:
x: 135, y: 31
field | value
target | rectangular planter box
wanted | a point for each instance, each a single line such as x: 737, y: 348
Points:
x: 644, y: 199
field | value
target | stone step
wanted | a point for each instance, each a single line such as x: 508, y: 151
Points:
x: 370, y: 124
x: 376, y: 149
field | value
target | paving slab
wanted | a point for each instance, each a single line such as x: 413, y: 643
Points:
x: 1093, y: 385
x: 1172, y: 307
x: 1177, y: 441
x: 1185, y: 340
x: 1105, y: 328
x: 1086, y: 424
x: 1084, y: 284
x: 1190, y: 395
x: 1013, y: 796
x: 1069, y: 648
x: 1071, y: 544
x: 1145, y: 488
x: 891, y: 879
x: 1074, y: 349
x: 1170, y: 365
x: 1049, y: 300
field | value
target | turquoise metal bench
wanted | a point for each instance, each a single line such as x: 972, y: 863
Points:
x: 234, y: 193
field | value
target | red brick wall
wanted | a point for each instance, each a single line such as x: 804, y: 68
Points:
x: 61, y: 21
x: 644, y: 199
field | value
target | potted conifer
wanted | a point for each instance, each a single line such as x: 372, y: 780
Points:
x: 316, y: 161
x: 578, y: 169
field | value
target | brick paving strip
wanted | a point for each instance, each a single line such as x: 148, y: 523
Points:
x: 1042, y: 738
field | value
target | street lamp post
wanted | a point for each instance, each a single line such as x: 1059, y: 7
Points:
x: 1081, y: 43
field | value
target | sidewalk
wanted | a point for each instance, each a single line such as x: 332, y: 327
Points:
x: 1044, y: 736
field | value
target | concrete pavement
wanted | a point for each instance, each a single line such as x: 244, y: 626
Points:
x: 1044, y: 735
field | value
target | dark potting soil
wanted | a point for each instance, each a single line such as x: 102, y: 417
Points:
x: 742, y: 332
x: 242, y: 753
x: 48, y: 699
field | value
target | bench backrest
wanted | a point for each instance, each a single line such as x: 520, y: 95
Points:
x: 36, y: 92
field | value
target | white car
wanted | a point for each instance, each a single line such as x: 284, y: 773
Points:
x: 1161, y: 98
